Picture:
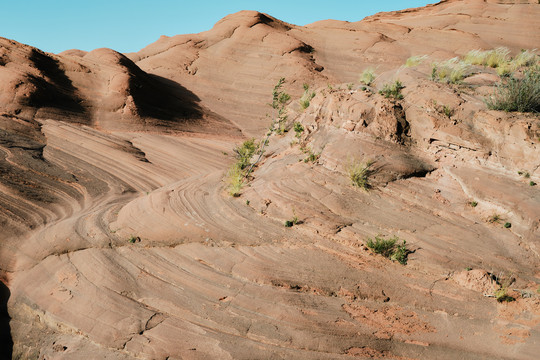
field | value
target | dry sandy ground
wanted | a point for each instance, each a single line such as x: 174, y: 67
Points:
x: 120, y: 240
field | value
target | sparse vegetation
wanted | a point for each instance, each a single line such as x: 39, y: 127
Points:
x: 133, y: 239
x: 389, y: 248
x: 306, y: 97
x: 359, y: 173
x: 415, y: 60
x: 525, y: 58
x: 293, y: 221
x: 504, y: 282
x: 298, y: 129
x: 493, y: 219
x: 279, y: 101
x: 532, y: 183
x: 368, y: 76
x: 393, y: 90
x: 311, y: 156
x: 473, y: 203
x: 238, y: 171
x: 492, y: 58
x: 507, y: 225
x: 450, y: 71
x: 235, y: 179
x: 350, y: 86
x: 518, y: 94
x: 448, y: 111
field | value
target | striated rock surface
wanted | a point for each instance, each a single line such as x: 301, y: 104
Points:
x: 121, y: 242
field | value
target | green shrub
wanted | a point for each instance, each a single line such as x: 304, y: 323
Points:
x: 389, y: 248
x: 244, y: 152
x: 400, y: 253
x: 368, y: 76
x: 235, y: 179
x: 306, y: 97
x: 507, y: 225
x: 501, y: 295
x: 518, y: 94
x: 359, y: 173
x: 311, y: 156
x: 392, y: 90
x: 382, y: 246
x: 298, y: 129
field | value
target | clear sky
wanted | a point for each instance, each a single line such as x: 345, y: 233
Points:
x: 126, y: 26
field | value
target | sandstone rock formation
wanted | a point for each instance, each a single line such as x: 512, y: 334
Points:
x: 121, y: 242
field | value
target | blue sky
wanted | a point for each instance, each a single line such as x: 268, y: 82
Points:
x: 126, y: 26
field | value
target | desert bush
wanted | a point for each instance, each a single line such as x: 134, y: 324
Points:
x: 235, y: 179
x: 493, y: 58
x: 392, y: 90
x: 279, y: 100
x: 415, y: 60
x: 311, y: 156
x: 389, y: 248
x: 518, y: 94
x: 306, y: 97
x: 368, y: 76
x: 359, y: 173
x: 244, y: 152
x: 476, y: 57
x: 497, y: 57
x: 298, y: 129
x: 449, y: 71
x: 525, y: 58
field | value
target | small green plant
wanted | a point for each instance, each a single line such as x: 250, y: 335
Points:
x: 133, y: 239
x: 400, y: 253
x: 312, y: 157
x: 468, y: 268
x: 360, y: 172
x: 306, y: 97
x: 473, y: 203
x: 368, y: 76
x: 389, y: 248
x: 504, y: 282
x: 507, y: 225
x: 518, y: 94
x: 448, y: 111
x: 235, y: 179
x: 415, y: 60
x: 350, y: 86
x: 298, y: 129
x: 293, y: 221
x: 495, y: 218
x: 244, y: 152
x: 501, y: 294
x: 525, y: 174
x: 532, y: 183
x: 392, y: 90
x: 279, y: 100
x: 247, y: 202
x: 382, y: 246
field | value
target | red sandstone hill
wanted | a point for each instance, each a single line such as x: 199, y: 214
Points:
x: 120, y: 240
